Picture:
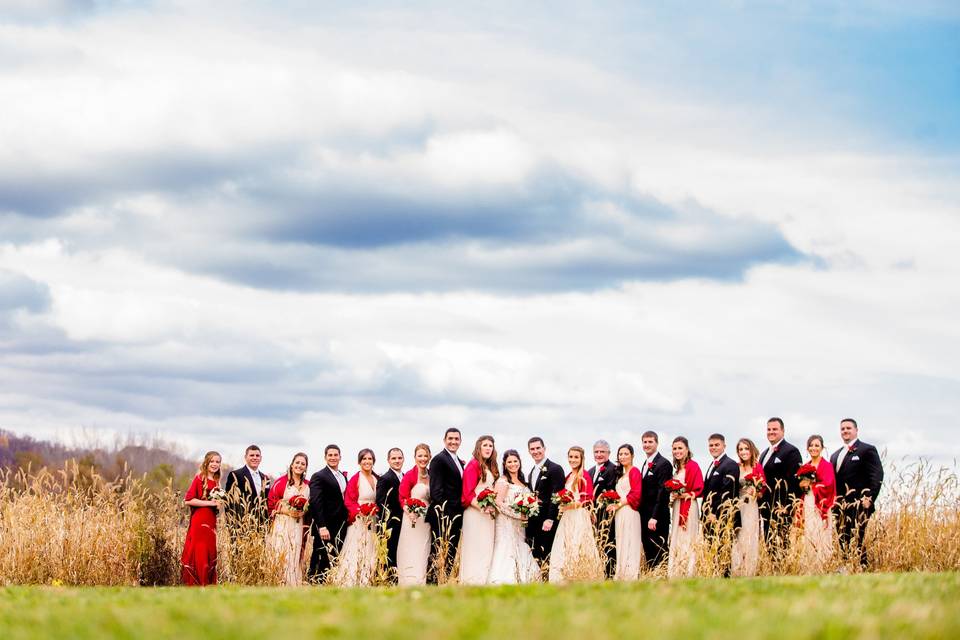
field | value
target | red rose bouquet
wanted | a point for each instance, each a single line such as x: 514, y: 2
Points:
x: 488, y: 498
x: 675, y: 487
x: 417, y: 507
x: 608, y: 498
x: 368, y: 510
x: 807, y: 472
x: 756, y: 481
x: 563, y: 497
x: 297, y: 503
x: 527, y: 504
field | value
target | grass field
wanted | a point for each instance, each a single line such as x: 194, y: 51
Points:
x: 912, y: 605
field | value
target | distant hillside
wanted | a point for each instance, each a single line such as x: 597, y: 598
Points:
x: 158, y: 460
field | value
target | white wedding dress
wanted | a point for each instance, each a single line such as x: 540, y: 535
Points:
x: 513, y: 562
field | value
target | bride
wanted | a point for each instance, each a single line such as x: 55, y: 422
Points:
x: 357, y: 562
x: 513, y: 561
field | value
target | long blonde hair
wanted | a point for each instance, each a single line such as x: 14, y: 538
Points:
x: 205, y: 465
x: 578, y: 474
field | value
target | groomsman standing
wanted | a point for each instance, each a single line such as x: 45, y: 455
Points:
x: 546, y: 478
x: 859, y: 476
x: 388, y: 501
x: 329, y: 513
x: 604, y: 476
x: 654, y: 501
x: 721, y: 485
x: 780, y: 462
x: 247, y: 489
x: 445, y: 515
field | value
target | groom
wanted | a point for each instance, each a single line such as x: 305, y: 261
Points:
x: 546, y: 478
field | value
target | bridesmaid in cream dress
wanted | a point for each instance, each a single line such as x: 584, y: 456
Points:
x: 627, y: 523
x: 685, y: 519
x: 479, y: 524
x: 357, y: 563
x: 745, y: 555
x: 574, y: 555
x: 413, y: 551
x: 285, y: 538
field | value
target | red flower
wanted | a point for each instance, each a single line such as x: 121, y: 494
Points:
x: 414, y: 503
x: 756, y: 481
x: 562, y: 497
x: 649, y: 465
x: 368, y: 509
x: 297, y: 502
x: 485, y: 495
x: 807, y: 472
x: 675, y: 485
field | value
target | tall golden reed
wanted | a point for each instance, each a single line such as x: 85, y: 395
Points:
x: 74, y: 527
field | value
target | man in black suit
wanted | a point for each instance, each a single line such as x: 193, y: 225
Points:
x: 859, y: 477
x: 654, y: 501
x: 388, y: 501
x: 445, y: 515
x: 721, y: 484
x: 546, y: 479
x: 247, y: 489
x: 780, y: 462
x: 604, y: 476
x: 328, y: 513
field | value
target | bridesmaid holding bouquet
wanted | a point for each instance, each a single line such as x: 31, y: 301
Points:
x: 686, y: 487
x: 745, y: 555
x: 287, y: 500
x: 413, y: 551
x: 818, y: 482
x: 479, y: 513
x: 199, y: 559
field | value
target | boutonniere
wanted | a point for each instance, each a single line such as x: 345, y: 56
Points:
x: 649, y: 465
x: 851, y: 448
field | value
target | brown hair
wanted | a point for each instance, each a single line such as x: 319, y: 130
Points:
x: 754, y: 452
x: 290, y: 479
x: 814, y: 437
x: 676, y: 464
x: 422, y: 447
x: 491, y: 463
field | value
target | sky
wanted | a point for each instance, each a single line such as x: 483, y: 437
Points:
x: 296, y: 223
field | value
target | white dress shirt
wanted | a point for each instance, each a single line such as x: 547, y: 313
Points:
x: 256, y: 479
x: 340, y: 479
x: 646, y: 465
x: 456, y: 461
x: 844, y: 451
x: 763, y: 461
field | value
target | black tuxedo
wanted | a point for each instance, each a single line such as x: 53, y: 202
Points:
x: 550, y: 481
x: 655, y: 504
x: 606, y: 481
x: 243, y: 500
x: 328, y: 510
x: 445, y: 515
x: 721, y: 483
x: 388, y: 501
x: 777, y: 504
x: 859, y: 476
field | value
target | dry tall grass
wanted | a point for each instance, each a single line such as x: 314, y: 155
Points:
x: 76, y: 528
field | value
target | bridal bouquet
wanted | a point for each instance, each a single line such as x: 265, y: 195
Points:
x: 417, y: 507
x: 675, y: 487
x: 807, y: 472
x: 488, y: 498
x: 297, y: 503
x: 608, y: 498
x: 527, y: 504
x: 563, y: 498
x: 217, y: 494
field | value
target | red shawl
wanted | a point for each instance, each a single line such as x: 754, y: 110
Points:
x: 693, y: 480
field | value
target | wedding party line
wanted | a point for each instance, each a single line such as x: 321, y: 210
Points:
x: 483, y: 520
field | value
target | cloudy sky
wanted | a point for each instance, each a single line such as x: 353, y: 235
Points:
x: 300, y: 222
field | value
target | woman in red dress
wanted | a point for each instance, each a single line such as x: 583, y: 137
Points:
x: 199, y: 560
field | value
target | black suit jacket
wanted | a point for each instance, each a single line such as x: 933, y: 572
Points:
x: 606, y: 481
x: 326, y: 502
x: 242, y: 496
x: 551, y: 480
x: 446, y: 488
x: 780, y: 470
x: 720, y: 483
x: 860, y: 475
x: 654, y: 497
x: 388, y: 497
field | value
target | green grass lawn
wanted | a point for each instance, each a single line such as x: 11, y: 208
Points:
x: 869, y: 606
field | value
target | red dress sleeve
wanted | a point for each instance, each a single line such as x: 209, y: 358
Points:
x: 195, y: 492
x: 825, y: 489
x: 275, y: 497
x: 586, y: 491
x: 351, y: 497
x: 409, y: 480
x: 471, y: 478
x: 636, y: 480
